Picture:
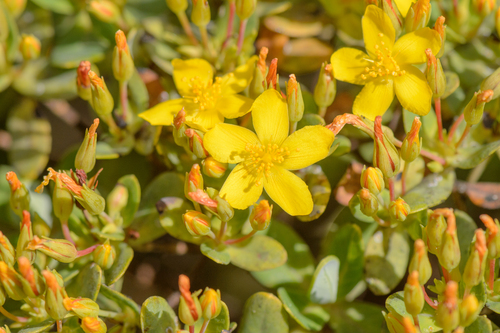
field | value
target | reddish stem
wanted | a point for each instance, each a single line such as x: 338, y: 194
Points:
x: 59, y: 325
x: 403, y: 178
x: 446, y: 274
x: 241, y: 239
x: 464, y: 134
x: 230, y: 23
x: 491, y: 280
x: 454, y: 127
x: 241, y: 35
x: 191, y: 329
x: 65, y: 230
x: 9, y: 315
x: 437, y: 105
x: 391, y: 188
x: 86, y: 251
x: 429, y: 300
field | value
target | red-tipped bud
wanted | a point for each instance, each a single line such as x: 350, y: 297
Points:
x: 447, y: 314
x: 294, y: 100
x: 326, y: 87
x: 399, y: 209
x: 83, y: 81
x: 104, y: 10
x: 272, y: 75
x: 193, y: 180
x: 420, y: 262
x: 418, y: 15
x: 260, y: 217
x: 413, y: 295
x: 25, y: 237
x: 196, y: 223
x: 476, y: 263
x: 435, y: 75
x: 449, y: 254
x: 213, y: 168
x: 85, y: 157
x: 492, y: 236
x: 195, y: 140
x: 210, y: 303
x: 412, y: 143
x: 82, y: 307
x: 372, y: 179
x: 189, y: 305
x: 102, y: 101
x: 385, y: 154
x: 473, y: 112
x: 368, y: 202
x: 32, y: 285
x: 7, y: 252
x: 441, y: 30
x: 19, y: 194
x: 11, y: 282
x: 60, y: 249
x: 93, y: 325
x: 123, y: 64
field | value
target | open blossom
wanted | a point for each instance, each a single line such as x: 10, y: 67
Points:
x: 265, y: 157
x: 388, y: 68
x: 205, y: 99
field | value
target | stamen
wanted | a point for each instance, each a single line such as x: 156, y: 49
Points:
x: 261, y: 158
x: 384, y: 65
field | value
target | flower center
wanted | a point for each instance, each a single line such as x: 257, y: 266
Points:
x: 385, y: 65
x: 261, y: 158
x: 205, y: 94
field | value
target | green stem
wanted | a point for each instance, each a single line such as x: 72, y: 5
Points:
x: 112, y: 315
x: 205, y: 41
x: 187, y: 28
x: 437, y: 106
x: 391, y: 188
x: 222, y: 231
x: 322, y: 111
x: 12, y: 317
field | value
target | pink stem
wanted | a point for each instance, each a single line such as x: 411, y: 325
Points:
x: 464, y: 135
x: 230, y: 23
x: 65, y: 230
x: 446, y: 274
x: 437, y: 104
x: 86, y: 251
x: 238, y: 240
x: 191, y: 329
x: 429, y: 300
x: 241, y: 36
x: 391, y: 188
x: 454, y: 127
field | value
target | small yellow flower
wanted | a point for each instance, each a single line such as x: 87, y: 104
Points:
x: 206, y: 101
x: 388, y: 68
x: 264, y: 159
x: 404, y: 6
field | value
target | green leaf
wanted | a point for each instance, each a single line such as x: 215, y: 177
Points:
x: 221, y: 322
x: 433, y: 190
x: 120, y: 299
x: 466, y: 228
x: 481, y: 325
x: 87, y: 283
x: 468, y: 158
x: 299, y: 267
x: 157, y: 316
x: 386, y: 259
x: 493, y: 306
x: 325, y: 281
x: 131, y: 183
x: 39, y: 327
x: 341, y: 145
x: 122, y: 261
x: 70, y: 55
x: 263, y: 312
x: 258, y: 253
x: 396, y: 305
x: 310, y: 316
x: 349, y: 317
x: 58, y: 6
x: 220, y: 257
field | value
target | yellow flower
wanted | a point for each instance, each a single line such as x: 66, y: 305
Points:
x: 206, y: 100
x: 264, y: 159
x: 388, y: 68
x: 404, y: 6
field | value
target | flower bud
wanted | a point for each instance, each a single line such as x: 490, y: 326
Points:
x: 180, y: 127
x: 492, y: 236
x: 30, y: 47
x: 19, y: 194
x: 177, y: 6
x: 483, y: 7
x: 326, y: 87
x: 420, y: 262
x: 399, y: 209
x: 193, y: 180
x: 7, y: 252
x: 372, y: 179
x: 59, y: 249
x: 441, y: 30
x: 413, y: 295
x: 261, y: 214
x: 123, y: 64
x: 473, y: 112
x: 391, y: 9
x: 449, y: 255
x: 294, y: 100
x: 16, y: 7
x: 492, y: 82
x: 11, y: 282
x: 224, y: 210
x: 104, y: 255
x: 189, y: 305
x: 210, y: 303
x: 412, y: 143
x: 62, y: 201
x: 83, y: 81
x: 93, y: 325
x: 85, y: 157
x: 117, y: 200
x: 393, y: 323
x: 213, y: 168
x: 104, y: 10
x: 245, y: 8
x: 469, y: 310
x: 256, y: 87
x: 409, y: 326
x: 435, y: 75
x: 418, y: 15
x: 54, y: 296
x: 25, y: 237
x: 195, y: 140
x: 368, y: 202
x: 200, y: 14
x: 82, y: 307
x: 271, y: 81
x: 385, y: 155
x: 91, y: 201
x: 197, y: 224
x: 476, y: 263
x: 435, y: 229
x: 447, y: 313
x: 32, y: 281
x: 102, y: 101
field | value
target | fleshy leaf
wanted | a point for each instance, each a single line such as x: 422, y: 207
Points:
x: 258, y: 254
x: 310, y: 316
x: 157, y: 316
x: 325, y: 281
x: 263, y: 313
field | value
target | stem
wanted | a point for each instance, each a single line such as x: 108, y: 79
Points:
x: 59, y: 325
x: 403, y: 178
x: 293, y: 126
x: 222, y: 231
x: 415, y: 321
x: 204, y: 39
x: 113, y: 127
x: 204, y: 326
x: 230, y: 23
x: 241, y: 35
x: 241, y: 239
x: 391, y: 188
x: 124, y: 99
x: 191, y: 329
x: 86, y: 251
x: 197, y: 206
x: 423, y: 152
x: 322, y: 111
x: 446, y: 274
x: 381, y: 222
x: 65, y: 230
x: 491, y: 280
x: 12, y: 317
x: 429, y: 300
x: 187, y: 28
x: 113, y: 315
x: 464, y: 134
x: 454, y: 127
x: 437, y: 104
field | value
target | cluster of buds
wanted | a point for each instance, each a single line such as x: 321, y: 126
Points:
x: 442, y: 240
x: 326, y: 87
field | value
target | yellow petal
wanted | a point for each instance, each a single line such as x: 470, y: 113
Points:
x: 204, y: 120
x: 403, y: 6
x: 349, y: 64
x: 307, y: 146
x: 377, y: 28
x: 288, y: 191
x: 242, y: 188
x: 410, y: 49
x: 374, y: 99
x: 233, y: 106
x: 238, y: 80
x: 186, y: 71
x: 270, y: 117
x: 413, y: 92
x: 226, y: 143
x: 164, y: 113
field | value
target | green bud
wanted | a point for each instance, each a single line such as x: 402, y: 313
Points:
x: 261, y: 214
x: 62, y: 201
x: 483, y: 7
x: 413, y: 295
x: 245, y: 8
x: 213, y: 168
x: 195, y: 140
x: 85, y: 157
x: 418, y: 15
x: 492, y: 82
x: 326, y: 87
x: 473, y: 112
x: 440, y: 28
x: 83, y: 81
x: 7, y: 252
x: 180, y: 127
x: 492, y: 236
x: 93, y: 325
x: 3, y: 296
x: 435, y: 75
x: 177, y: 6
x: 11, y: 282
x: 200, y: 14
x: 420, y: 262
x: 294, y: 100
x: 210, y: 303
x: 197, y: 224
x: 476, y: 263
x: 399, y: 210
x: 104, y: 255
x: 224, y: 209
x: 91, y: 201
x: 19, y: 195
x: 393, y: 323
x: 372, y: 179
x: 25, y: 237
x: 54, y: 296
x: 33, y: 284
x: 368, y: 202
x: 123, y: 64
x: 30, y: 47
x: 256, y: 87
x: 412, y: 143
x: 82, y: 307
x: 102, y: 101
x: 117, y: 199
x: 104, y: 10
x: 449, y: 255
x: 59, y: 249
x: 435, y: 229
x: 447, y: 313
x: 16, y: 7
x: 391, y: 9
x: 469, y: 310
x: 385, y: 154
x: 186, y: 314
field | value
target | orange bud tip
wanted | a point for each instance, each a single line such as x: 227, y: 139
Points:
x: 83, y: 74
x: 413, y: 279
x: 14, y: 182
x: 93, y: 127
x: 95, y: 80
x: 180, y: 118
x: 26, y: 222
x: 121, y: 40
x: 485, y: 96
x: 262, y: 60
x: 271, y: 75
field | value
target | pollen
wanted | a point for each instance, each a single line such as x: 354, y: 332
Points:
x: 384, y: 65
x: 261, y: 158
x: 205, y: 94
